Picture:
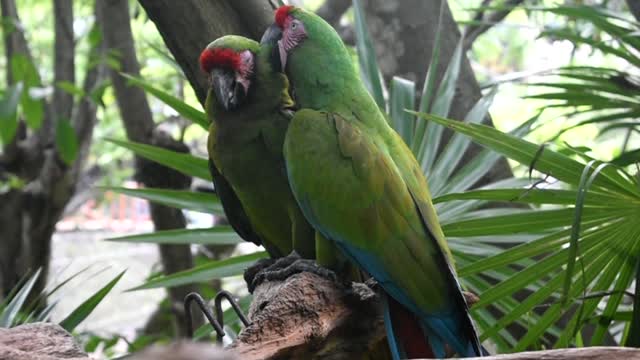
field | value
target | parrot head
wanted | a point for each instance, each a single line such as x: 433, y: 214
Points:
x: 310, y: 52
x: 287, y: 32
x: 229, y: 63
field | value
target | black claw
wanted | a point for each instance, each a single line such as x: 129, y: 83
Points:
x: 251, y: 272
x: 280, y: 271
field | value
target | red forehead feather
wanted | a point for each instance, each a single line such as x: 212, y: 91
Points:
x: 211, y: 58
x: 282, y: 13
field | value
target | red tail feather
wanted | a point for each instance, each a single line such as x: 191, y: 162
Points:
x: 409, y: 332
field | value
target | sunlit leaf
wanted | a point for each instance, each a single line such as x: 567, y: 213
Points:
x: 189, y: 200
x: 219, y: 235
x: 86, y: 308
x: 212, y: 270
x: 182, y: 162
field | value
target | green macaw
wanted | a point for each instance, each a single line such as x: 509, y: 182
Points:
x: 247, y: 103
x: 359, y: 185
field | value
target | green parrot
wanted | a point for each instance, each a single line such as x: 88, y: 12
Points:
x: 247, y: 103
x: 359, y: 185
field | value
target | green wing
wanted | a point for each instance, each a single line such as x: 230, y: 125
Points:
x: 233, y: 210
x: 352, y: 191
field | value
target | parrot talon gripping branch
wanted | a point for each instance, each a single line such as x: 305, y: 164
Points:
x: 287, y: 266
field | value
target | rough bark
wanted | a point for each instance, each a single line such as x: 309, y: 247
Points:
x: 242, y: 17
x: 39, y: 341
x: 332, y: 11
x: 64, y: 62
x: 634, y: 7
x: 472, y: 32
x: 310, y: 317
x: 404, y: 35
x: 29, y: 214
x: 45, y: 341
x: 184, y: 351
x: 139, y: 125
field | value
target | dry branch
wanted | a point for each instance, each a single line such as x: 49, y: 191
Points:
x: 310, y: 317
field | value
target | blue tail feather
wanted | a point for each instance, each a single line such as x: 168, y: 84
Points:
x: 394, y: 344
x: 442, y: 328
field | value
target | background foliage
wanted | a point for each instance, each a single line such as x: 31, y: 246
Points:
x: 552, y: 252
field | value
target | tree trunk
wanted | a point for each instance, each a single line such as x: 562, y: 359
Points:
x: 139, y: 125
x: 28, y: 215
x: 403, y: 32
x: 212, y: 19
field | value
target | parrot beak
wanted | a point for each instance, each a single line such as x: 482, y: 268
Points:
x: 229, y: 93
x: 273, y: 36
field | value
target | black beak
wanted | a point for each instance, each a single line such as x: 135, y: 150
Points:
x: 229, y: 93
x: 271, y: 38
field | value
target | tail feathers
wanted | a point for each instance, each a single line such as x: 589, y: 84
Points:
x: 427, y: 337
x: 447, y: 329
x: 407, y: 338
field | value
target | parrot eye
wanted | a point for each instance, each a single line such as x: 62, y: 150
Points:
x: 294, y: 25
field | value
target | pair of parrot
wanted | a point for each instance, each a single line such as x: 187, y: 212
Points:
x: 323, y: 174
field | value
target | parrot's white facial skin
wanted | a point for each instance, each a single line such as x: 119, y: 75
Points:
x: 293, y: 34
x: 245, y: 71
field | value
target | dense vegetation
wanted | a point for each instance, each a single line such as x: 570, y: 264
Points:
x: 552, y: 251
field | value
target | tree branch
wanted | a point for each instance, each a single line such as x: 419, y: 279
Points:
x: 84, y: 117
x: 332, y: 11
x: 473, y: 31
x: 14, y: 43
x: 64, y: 63
x: 172, y: 17
x: 132, y: 101
x: 634, y: 7
x: 14, y: 40
x: 138, y: 122
x: 309, y: 317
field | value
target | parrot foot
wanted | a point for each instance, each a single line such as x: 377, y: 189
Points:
x: 253, y: 270
x: 285, y: 267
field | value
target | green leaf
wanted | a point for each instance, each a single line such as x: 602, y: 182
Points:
x: 441, y: 106
x: 627, y: 158
x: 95, y: 36
x: 429, y: 89
x: 9, y: 112
x: 24, y: 71
x: 583, y: 187
x: 548, y: 162
x: 529, y: 221
x: 536, y: 196
x: 181, y: 107
x: 70, y: 88
x: 453, y: 152
x: 367, y: 56
x: 219, y: 235
x: 86, y: 308
x: 182, y: 162
x: 98, y: 92
x: 212, y: 270
x: 66, y: 141
x: 403, y: 96
x: 10, y: 312
x: 188, y: 200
